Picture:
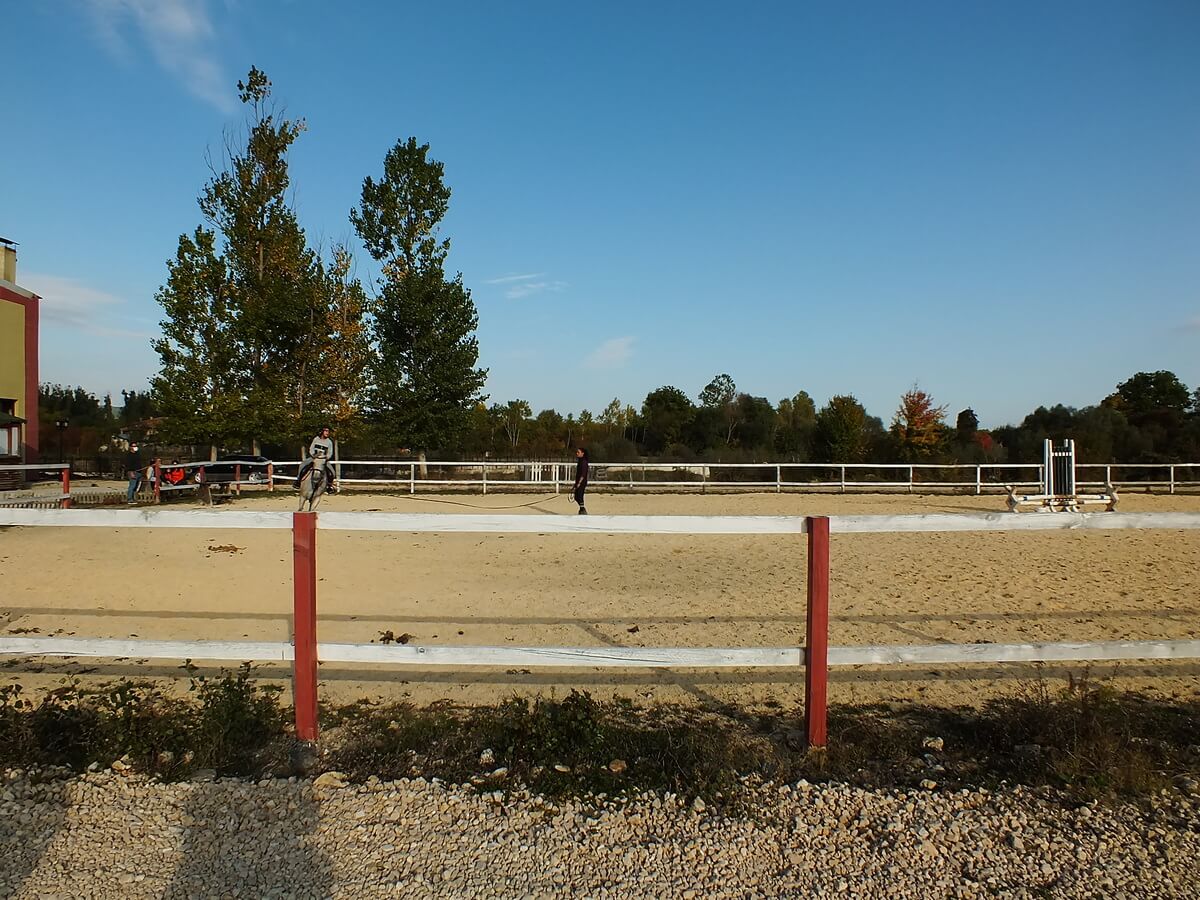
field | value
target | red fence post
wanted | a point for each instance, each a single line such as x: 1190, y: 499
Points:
x: 65, y: 503
x: 237, y: 479
x: 304, y: 669
x: 816, y: 653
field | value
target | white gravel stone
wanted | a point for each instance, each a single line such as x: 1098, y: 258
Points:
x: 124, y: 836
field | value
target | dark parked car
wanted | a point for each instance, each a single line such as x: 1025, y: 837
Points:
x: 254, y: 469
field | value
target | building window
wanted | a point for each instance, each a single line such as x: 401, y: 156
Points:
x: 8, y: 406
x: 6, y: 445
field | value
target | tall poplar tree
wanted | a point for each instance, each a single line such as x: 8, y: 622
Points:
x: 274, y: 275
x: 200, y: 386
x: 261, y: 340
x: 425, y: 380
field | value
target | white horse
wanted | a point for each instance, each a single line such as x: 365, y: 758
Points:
x: 315, y: 483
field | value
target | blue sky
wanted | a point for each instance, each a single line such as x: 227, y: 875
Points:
x: 998, y: 201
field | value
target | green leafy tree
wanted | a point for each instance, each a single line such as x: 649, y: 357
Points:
x: 796, y: 419
x: 340, y: 351
x: 1150, y: 392
x: 274, y: 278
x: 720, y: 396
x: 613, y: 417
x: 1156, y: 406
x: 515, y: 415
x: 756, y: 422
x: 667, y: 411
x: 842, y: 432
x: 201, y: 386
x: 425, y: 378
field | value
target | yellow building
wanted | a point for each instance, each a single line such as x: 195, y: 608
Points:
x: 18, y: 364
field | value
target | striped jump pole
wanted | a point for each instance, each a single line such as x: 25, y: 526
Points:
x: 65, y: 503
x: 304, y: 668
x: 816, y: 651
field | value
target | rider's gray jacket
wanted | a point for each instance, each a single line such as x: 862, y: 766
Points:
x: 321, y: 447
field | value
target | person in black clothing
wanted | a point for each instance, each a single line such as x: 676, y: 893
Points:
x: 134, y: 469
x: 581, y: 478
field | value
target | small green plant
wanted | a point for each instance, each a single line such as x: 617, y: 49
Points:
x: 234, y: 721
x: 1084, y: 738
x: 138, y: 723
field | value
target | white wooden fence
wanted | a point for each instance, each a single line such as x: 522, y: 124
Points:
x: 491, y: 475
x: 816, y: 656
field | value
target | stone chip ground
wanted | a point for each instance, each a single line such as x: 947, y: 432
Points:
x: 113, y: 835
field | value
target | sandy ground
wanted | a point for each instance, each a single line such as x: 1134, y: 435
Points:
x: 595, y: 590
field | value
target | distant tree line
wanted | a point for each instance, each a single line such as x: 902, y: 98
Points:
x: 1151, y: 417
x: 89, y: 422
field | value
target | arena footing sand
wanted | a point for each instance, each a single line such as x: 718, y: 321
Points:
x: 615, y: 590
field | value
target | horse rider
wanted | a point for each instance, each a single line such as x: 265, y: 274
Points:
x: 321, y: 447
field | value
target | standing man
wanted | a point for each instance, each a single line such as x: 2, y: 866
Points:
x: 320, y: 447
x: 135, y: 471
x: 581, y: 478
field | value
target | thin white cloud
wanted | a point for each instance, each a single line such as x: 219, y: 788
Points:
x: 527, y: 285
x: 72, y: 304
x: 1192, y: 324
x: 534, y: 287
x: 180, y: 35
x: 509, y: 279
x: 612, y: 354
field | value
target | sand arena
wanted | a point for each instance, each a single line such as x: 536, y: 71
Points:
x: 596, y: 590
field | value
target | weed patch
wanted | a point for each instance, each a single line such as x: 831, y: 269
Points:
x: 1085, y: 742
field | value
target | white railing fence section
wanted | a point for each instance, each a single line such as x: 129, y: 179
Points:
x: 493, y: 475
x: 815, y: 656
x: 980, y: 478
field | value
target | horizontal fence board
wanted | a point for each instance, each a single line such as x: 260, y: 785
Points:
x: 146, y: 518
x: 980, y: 653
x: 599, y: 657
x: 397, y: 654
x: 605, y: 657
x: 1031, y: 521
x: 108, y: 648
x: 519, y: 524
x: 529, y: 524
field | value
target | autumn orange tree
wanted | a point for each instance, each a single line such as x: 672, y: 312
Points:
x: 919, y: 428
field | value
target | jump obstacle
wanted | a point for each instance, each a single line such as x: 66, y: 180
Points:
x: 816, y: 656
x: 1058, y: 489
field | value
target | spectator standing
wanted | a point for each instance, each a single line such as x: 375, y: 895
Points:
x: 135, y: 470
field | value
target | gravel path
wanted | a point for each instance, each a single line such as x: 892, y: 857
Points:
x: 109, y: 835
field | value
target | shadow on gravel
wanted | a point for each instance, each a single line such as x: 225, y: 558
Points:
x: 249, y: 840
x: 24, y: 838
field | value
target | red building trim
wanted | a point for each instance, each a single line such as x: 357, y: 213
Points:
x: 30, y: 410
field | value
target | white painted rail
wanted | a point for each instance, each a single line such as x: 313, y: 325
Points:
x: 546, y: 524
x: 977, y: 478
x: 552, y: 524
x: 599, y: 657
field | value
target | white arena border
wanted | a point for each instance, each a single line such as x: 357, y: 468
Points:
x: 818, y: 528
x: 622, y: 657
x: 598, y: 657
x: 544, y: 524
